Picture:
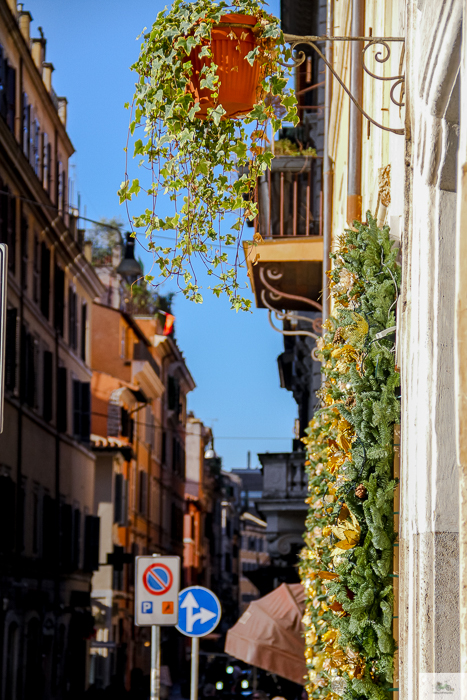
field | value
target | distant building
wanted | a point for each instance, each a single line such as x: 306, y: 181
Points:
x: 227, y: 583
x: 49, y: 529
x: 254, y: 557
x: 139, y: 418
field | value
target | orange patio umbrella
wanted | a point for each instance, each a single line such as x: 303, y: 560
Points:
x: 269, y: 634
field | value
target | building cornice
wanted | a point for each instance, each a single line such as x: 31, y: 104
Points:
x: 13, y: 29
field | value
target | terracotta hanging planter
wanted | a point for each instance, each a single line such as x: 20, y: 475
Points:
x: 240, y: 83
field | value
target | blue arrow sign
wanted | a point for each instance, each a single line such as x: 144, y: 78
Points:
x: 199, y: 611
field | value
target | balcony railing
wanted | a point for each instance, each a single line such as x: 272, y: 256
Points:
x: 289, y: 198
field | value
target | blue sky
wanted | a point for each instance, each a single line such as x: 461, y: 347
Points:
x: 232, y: 356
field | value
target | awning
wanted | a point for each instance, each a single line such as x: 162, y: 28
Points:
x: 269, y: 634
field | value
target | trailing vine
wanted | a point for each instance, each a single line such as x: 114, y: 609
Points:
x: 347, y: 561
x: 208, y: 166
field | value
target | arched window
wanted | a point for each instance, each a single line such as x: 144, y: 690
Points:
x: 11, y: 662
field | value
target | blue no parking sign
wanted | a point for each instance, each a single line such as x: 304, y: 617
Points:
x: 199, y: 611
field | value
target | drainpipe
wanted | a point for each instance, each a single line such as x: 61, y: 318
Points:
x: 327, y: 166
x: 354, y: 177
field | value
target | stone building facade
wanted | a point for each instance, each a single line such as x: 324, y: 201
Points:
x: 49, y: 527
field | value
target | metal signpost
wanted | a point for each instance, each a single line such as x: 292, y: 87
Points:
x: 3, y: 285
x: 157, y: 586
x: 199, y: 614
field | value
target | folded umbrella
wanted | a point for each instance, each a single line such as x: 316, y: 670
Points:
x: 269, y: 634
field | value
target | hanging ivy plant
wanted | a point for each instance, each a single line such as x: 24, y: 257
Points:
x: 347, y: 561
x: 210, y: 80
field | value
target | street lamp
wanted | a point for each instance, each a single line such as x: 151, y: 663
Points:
x: 129, y: 269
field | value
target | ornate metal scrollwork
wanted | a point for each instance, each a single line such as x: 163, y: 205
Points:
x: 380, y: 57
x: 276, y: 295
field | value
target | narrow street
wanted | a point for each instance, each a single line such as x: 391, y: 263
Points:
x: 232, y: 341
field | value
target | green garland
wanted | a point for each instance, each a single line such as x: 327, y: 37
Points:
x: 348, y: 558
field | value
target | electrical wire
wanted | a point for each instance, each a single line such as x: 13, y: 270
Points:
x: 188, y: 432
x: 70, y: 213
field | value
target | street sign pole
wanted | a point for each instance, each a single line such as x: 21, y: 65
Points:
x: 199, y: 614
x: 155, y: 662
x: 157, y: 584
x: 194, y: 668
x: 155, y: 682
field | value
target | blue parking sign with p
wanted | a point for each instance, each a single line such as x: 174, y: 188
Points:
x: 146, y: 607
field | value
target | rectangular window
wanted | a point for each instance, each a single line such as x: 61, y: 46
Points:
x: 62, y: 413
x: 45, y: 280
x: 173, y: 395
x: 59, y: 298
x: 7, y: 91
x: 81, y: 410
x: 47, y: 388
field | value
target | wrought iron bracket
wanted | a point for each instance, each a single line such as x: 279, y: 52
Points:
x: 276, y: 295
x: 380, y: 57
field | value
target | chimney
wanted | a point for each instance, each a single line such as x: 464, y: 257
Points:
x: 38, y: 52
x: 47, y: 69
x: 62, y: 103
x: 24, y: 21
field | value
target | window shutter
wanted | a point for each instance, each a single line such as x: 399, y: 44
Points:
x: 45, y: 279
x: 113, y: 419
x: 11, y: 235
x: 84, y: 320
x: 91, y: 543
x: 11, y: 98
x: 47, y: 388
x: 49, y: 167
x: 76, y: 408
x: 59, y: 298
x: 76, y: 556
x: 49, y: 532
x: 66, y: 536
x: 62, y: 413
x: 10, y: 349
x: 31, y: 373
x: 3, y: 70
x: 118, y: 498
x: 85, y: 411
